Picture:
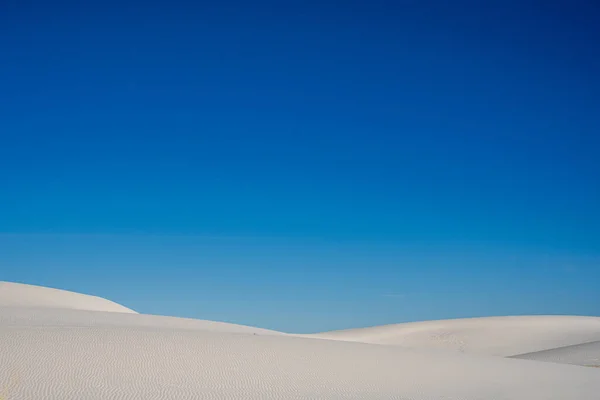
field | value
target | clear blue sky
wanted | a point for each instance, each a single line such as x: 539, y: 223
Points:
x: 304, y: 165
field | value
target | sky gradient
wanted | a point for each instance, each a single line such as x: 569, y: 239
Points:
x: 304, y: 165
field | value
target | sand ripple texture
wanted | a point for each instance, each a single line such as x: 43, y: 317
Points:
x: 57, y: 345
x: 130, y: 363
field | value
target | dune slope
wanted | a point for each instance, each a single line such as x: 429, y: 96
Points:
x: 22, y: 295
x: 45, y: 317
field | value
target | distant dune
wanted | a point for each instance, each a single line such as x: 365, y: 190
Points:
x: 77, y: 347
x: 500, y: 336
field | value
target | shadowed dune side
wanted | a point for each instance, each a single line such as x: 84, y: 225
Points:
x: 586, y: 354
x: 500, y: 336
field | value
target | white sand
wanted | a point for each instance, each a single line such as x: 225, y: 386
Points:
x: 46, y: 317
x: 18, y: 294
x: 502, y: 336
x: 65, y: 353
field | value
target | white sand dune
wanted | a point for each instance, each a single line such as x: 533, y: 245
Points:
x: 587, y: 354
x: 501, y: 336
x: 132, y: 363
x: 19, y: 294
x: 65, y: 353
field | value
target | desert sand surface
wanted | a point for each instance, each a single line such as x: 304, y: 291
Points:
x: 70, y: 352
x: 499, y: 336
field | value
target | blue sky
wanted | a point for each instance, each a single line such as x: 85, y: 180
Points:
x: 304, y: 165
